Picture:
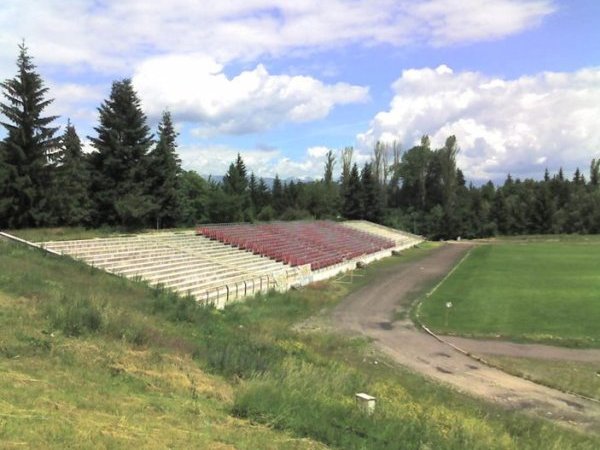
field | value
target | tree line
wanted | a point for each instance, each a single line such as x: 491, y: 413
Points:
x: 134, y: 179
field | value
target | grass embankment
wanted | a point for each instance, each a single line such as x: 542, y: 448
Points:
x: 75, y: 233
x: 91, y: 360
x: 536, y: 292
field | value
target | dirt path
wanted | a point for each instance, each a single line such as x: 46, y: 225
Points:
x: 370, y: 310
x: 538, y: 351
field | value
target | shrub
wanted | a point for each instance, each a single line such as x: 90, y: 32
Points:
x: 75, y: 317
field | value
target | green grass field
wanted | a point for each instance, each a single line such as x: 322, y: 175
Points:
x: 536, y: 291
x: 90, y: 360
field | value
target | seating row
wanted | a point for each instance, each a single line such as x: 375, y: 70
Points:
x: 318, y: 243
x: 185, y: 263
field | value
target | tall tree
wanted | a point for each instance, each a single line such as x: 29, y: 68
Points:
x: 329, y: 166
x: 4, y: 200
x: 372, y: 201
x: 448, y: 181
x: 352, y: 208
x: 235, y: 180
x: 278, y: 195
x: 27, y: 148
x: 164, y: 173
x: 346, y: 158
x: 235, y: 185
x: 413, y: 171
x: 193, y: 198
x: 394, y: 184
x: 70, y: 193
x: 253, y: 192
x: 595, y: 172
x: 263, y: 195
x: 121, y: 189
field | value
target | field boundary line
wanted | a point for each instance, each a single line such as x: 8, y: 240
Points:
x: 419, y: 301
x: 498, y: 367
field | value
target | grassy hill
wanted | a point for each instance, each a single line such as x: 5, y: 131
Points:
x: 90, y: 360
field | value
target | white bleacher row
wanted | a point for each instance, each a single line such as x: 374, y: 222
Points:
x: 401, y: 238
x: 188, y: 264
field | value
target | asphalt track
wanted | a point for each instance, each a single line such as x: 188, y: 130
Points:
x: 370, y: 311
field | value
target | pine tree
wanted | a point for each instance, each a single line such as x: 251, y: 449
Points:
x: 121, y: 189
x: 278, y: 196
x: 27, y: 148
x: 372, y: 201
x: 235, y: 180
x: 352, y: 208
x: 165, y: 170
x: 4, y: 200
x: 595, y: 172
x: 70, y: 193
x: 263, y: 195
x: 253, y: 191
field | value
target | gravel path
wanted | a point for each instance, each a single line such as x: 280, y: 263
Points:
x: 370, y: 311
x: 539, y: 351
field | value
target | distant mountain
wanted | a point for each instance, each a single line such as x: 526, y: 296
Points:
x: 268, y: 180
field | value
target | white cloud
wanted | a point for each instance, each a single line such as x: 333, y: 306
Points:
x: 518, y: 126
x: 113, y: 35
x: 215, y: 160
x: 458, y: 21
x: 195, y: 89
x: 71, y: 100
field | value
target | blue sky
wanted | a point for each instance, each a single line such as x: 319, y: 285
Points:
x: 283, y: 82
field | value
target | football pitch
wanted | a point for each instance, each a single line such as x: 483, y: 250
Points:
x: 537, y: 291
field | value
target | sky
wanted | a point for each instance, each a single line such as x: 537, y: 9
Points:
x: 284, y: 82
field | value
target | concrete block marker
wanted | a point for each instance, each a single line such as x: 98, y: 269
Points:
x: 365, y: 403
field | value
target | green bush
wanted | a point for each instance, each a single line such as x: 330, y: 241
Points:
x: 75, y: 317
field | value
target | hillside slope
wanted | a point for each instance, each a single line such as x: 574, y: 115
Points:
x: 90, y: 360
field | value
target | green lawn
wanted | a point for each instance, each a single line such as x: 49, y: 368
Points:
x: 536, y: 291
x: 90, y: 360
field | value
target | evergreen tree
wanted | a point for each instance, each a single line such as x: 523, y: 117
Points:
x: 372, y: 201
x: 4, y: 200
x: 235, y: 185
x: 165, y: 170
x: 352, y: 208
x: 278, y: 196
x: 595, y: 172
x: 253, y: 191
x: 324, y: 198
x: 27, y: 148
x: 121, y: 189
x: 263, y: 195
x: 235, y: 180
x: 70, y: 193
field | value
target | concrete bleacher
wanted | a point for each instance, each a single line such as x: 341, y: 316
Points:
x: 218, y: 264
x: 402, y: 239
x: 208, y: 270
x: 319, y: 243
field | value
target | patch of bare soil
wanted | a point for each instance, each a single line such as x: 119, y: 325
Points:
x: 370, y: 311
x: 539, y: 351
